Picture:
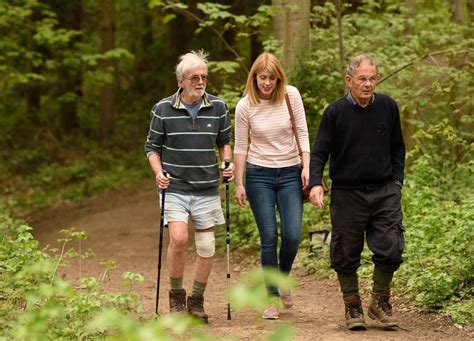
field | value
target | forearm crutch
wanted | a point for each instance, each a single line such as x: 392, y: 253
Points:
x: 160, y: 245
x: 227, y: 237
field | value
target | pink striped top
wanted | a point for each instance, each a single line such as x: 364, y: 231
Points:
x: 268, y: 126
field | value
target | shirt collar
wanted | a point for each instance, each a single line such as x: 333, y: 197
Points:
x: 177, y: 103
x: 353, y: 101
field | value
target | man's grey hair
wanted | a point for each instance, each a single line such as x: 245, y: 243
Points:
x: 357, y: 60
x: 190, y: 60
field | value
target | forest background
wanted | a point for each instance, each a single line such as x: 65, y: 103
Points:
x: 78, y: 80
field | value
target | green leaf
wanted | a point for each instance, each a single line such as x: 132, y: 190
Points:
x: 167, y: 18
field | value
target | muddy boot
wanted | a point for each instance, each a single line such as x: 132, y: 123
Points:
x: 354, y: 314
x: 177, y: 300
x: 196, y: 307
x: 380, y: 309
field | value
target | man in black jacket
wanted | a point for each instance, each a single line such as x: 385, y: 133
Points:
x: 361, y: 133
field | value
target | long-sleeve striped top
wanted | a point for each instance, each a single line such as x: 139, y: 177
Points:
x: 187, y: 145
x: 268, y: 127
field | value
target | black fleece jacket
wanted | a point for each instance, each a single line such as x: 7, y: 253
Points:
x: 365, y: 145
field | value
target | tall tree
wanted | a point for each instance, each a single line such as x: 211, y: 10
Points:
x: 340, y: 38
x: 291, y: 27
x: 108, y: 90
x: 68, y: 89
x: 33, y: 87
x: 460, y: 12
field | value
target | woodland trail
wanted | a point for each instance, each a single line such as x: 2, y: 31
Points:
x: 123, y: 225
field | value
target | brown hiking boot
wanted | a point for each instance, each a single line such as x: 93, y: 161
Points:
x: 177, y: 300
x: 196, y: 307
x: 354, y: 313
x: 380, y: 309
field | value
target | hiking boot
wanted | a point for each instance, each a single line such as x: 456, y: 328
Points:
x: 286, y: 299
x: 271, y: 313
x: 177, y: 300
x: 196, y: 307
x: 380, y: 309
x: 354, y: 313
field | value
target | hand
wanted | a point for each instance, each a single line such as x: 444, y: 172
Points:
x: 316, y: 196
x: 228, y: 173
x: 163, y: 180
x: 241, y: 196
x: 305, y: 177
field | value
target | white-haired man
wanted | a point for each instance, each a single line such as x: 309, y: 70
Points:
x: 185, y: 130
x: 361, y: 136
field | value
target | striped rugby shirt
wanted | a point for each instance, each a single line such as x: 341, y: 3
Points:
x: 187, y: 146
x: 268, y: 127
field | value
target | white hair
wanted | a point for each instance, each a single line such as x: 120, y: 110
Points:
x: 356, y: 61
x: 190, y: 60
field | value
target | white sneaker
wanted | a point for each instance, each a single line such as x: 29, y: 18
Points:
x: 271, y: 313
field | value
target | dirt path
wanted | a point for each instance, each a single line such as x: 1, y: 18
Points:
x: 123, y: 225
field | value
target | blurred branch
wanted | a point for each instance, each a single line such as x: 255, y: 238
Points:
x: 220, y: 34
x: 428, y: 55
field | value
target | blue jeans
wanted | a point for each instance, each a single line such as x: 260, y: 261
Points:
x: 266, y: 189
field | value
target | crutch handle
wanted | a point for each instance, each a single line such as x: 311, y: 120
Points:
x: 226, y: 165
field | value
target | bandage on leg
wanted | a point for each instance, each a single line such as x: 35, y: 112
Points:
x: 205, y: 244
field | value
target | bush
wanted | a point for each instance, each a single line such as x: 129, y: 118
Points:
x: 35, y: 304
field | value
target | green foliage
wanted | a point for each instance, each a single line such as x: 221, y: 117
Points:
x: 251, y: 291
x: 71, y: 179
x: 243, y: 230
x: 437, y: 49
x: 35, y: 304
x: 18, y: 251
x: 218, y: 21
x: 251, y: 294
x: 42, y: 67
x: 439, y: 209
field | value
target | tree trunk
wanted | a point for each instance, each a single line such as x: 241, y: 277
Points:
x: 342, y: 54
x: 144, y: 56
x: 32, y: 89
x: 107, y: 92
x: 460, y: 12
x: 408, y: 115
x: 71, y: 15
x: 291, y: 27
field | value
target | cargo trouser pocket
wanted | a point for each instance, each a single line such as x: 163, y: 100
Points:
x: 336, y: 251
x: 401, y: 238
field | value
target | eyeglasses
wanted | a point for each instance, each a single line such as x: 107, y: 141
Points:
x: 196, y: 78
x: 363, y: 80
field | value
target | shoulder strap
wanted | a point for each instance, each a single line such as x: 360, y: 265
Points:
x: 293, y: 123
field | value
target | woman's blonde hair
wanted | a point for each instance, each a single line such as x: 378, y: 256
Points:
x: 266, y: 62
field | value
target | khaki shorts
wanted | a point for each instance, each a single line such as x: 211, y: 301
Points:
x: 205, y: 211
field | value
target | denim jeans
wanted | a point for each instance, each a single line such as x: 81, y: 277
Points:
x: 280, y: 188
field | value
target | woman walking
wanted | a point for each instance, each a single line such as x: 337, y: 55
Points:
x: 274, y: 170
